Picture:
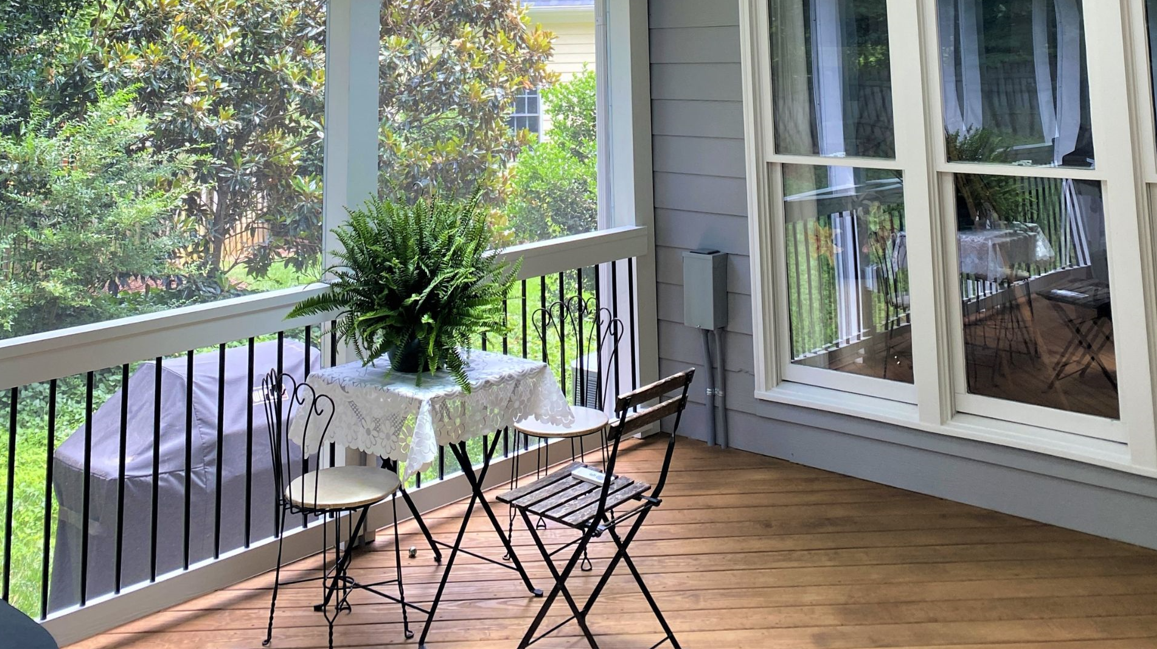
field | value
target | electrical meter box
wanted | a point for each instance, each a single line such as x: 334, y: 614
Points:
x: 705, y: 289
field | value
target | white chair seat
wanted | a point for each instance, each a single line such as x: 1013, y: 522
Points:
x: 343, y: 487
x: 587, y: 421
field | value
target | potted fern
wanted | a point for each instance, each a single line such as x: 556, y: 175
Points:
x: 417, y: 283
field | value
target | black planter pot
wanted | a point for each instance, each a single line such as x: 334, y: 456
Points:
x: 406, y: 358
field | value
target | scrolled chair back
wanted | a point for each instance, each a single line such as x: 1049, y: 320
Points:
x: 285, y: 399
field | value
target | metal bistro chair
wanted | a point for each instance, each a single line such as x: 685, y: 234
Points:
x: 598, y: 334
x: 583, y: 506
x: 324, y: 492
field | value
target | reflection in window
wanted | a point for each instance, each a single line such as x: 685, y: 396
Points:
x: 833, y: 84
x: 1038, y: 327
x: 1151, y: 27
x: 847, y: 270
x: 1015, y: 82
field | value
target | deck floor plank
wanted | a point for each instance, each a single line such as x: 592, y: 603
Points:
x: 821, y: 562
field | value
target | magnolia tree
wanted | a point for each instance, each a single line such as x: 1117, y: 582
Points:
x: 450, y: 71
x: 84, y: 208
x: 240, y: 83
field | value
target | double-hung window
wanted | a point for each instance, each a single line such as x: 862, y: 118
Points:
x: 951, y: 215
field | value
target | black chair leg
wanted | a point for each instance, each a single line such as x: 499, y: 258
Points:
x: 398, y: 563
x: 276, y: 582
x: 578, y: 614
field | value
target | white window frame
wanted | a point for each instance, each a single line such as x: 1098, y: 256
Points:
x: 1126, y: 168
x: 526, y: 115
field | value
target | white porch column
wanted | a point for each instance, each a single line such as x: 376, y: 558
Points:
x: 353, y: 34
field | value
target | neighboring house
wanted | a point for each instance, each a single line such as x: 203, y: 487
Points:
x: 573, y: 24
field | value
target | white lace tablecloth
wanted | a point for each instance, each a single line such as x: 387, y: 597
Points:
x: 993, y: 254
x: 386, y: 414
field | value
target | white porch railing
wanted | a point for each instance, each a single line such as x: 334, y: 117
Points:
x: 599, y: 264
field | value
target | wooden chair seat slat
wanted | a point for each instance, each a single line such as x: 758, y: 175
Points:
x: 548, y: 491
x: 514, y: 494
x: 584, y: 515
x: 575, y: 504
x: 580, y: 489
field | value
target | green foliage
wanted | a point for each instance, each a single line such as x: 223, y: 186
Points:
x: 25, y: 30
x: 241, y: 80
x: 555, y: 182
x: 84, y: 206
x: 450, y: 70
x: 416, y: 277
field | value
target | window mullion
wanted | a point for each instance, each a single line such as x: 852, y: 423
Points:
x: 910, y: 79
x: 1130, y: 247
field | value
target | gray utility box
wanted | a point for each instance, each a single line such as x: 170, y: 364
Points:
x: 705, y: 289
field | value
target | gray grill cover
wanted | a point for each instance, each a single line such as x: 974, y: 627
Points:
x: 68, y: 472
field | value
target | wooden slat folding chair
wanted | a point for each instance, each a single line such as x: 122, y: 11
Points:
x: 584, y: 506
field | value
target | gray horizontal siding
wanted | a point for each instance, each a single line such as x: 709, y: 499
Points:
x: 693, y: 13
x: 697, y: 118
x: 700, y: 186
x: 699, y: 156
x: 696, y: 81
x: 695, y: 45
x: 691, y: 230
x: 706, y: 194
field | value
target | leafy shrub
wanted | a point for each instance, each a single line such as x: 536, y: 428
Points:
x: 555, y: 182
x: 84, y: 206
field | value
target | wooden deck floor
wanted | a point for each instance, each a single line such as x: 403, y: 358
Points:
x: 746, y: 552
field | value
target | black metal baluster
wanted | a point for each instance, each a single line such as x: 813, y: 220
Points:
x: 441, y: 462
x: 249, y: 443
x: 582, y: 342
x: 542, y: 306
x: 122, y: 461
x: 615, y: 314
x: 189, y: 356
x: 46, y: 554
x: 11, y: 489
x: 220, y: 450
x: 156, y: 491
x: 525, y: 340
x: 86, y: 492
x: 332, y: 363
x: 562, y: 333
x: 633, y: 330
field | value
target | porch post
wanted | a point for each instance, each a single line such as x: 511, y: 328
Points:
x: 353, y: 34
x: 625, y: 178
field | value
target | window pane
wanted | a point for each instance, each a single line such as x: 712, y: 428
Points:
x: 1151, y: 25
x: 847, y: 270
x: 833, y: 83
x: 178, y: 161
x: 1034, y: 278
x: 1015, y: 82
x: 497, y: 98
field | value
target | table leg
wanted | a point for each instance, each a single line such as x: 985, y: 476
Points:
x: 476, y: 484
x: 476, y: 480
x: 446, y: 574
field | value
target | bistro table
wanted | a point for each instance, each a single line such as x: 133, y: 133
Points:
x: 388, y: 414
